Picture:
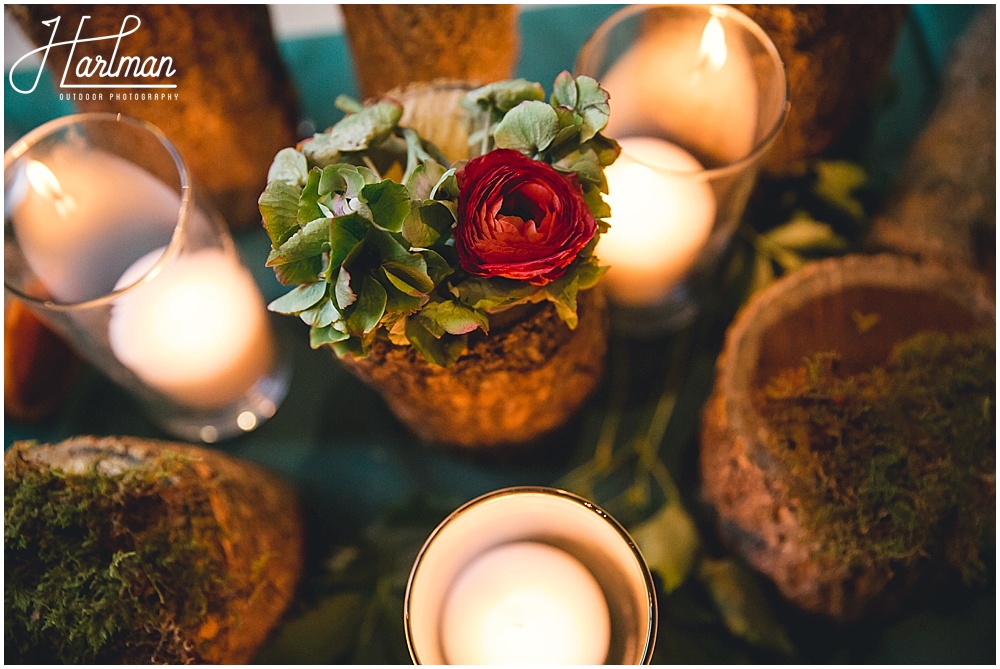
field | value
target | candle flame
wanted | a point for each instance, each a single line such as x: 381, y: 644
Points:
x: 713, y: 52
x: 47, y: 185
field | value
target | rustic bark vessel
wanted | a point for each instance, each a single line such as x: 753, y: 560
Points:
x: 235, y: 106
x: 835, y: 56
x: 521, y: 381
x: 944, y: 205
x: 811, y: 311
x: 394, y: 45
x: 146, y: 513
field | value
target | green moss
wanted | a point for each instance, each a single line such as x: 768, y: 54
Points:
x: 897, y: 463
x: 106, y: 568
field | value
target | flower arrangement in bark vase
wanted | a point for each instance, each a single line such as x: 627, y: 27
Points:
x: 462, y: 291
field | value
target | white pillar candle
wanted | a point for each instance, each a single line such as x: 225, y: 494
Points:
x: 77, y: 218
x: 662, y: 214
x: 525, y: 603
x: 686, y: 77
x: 196, y: 331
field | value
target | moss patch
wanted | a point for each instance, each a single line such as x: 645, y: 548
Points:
x: 109, y: 567
x: 897, y: 463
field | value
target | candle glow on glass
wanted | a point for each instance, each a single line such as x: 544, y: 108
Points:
x: 196, y: 331
x: 686, y: 79
x: 525, y: 603
x: 662, y: 213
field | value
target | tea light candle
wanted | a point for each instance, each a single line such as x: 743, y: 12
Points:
x: 74, y: 215
x: 662, y: 213
x: 525, y: 603
x: 196, y: 331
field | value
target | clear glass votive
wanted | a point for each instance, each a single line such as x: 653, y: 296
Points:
x: 106, y: 239
x: 698, y: 95
x: 530, y: 575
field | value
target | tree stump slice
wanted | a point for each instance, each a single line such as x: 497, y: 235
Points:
x: 395, y: 45
x: 835, y: 56
x: 235, y: 107
x: 115, y: 508
x: 943, y: 205
x: 810, y: 311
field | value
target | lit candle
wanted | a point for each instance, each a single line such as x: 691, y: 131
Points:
x: 686, y: 78
x: 196, y: 331
x: 525, y: 603
x: 74, y: 215
x: 662, y: 213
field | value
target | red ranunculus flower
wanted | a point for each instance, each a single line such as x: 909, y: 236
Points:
x: 519, y: 218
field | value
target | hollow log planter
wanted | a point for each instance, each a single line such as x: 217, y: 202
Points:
x: 522, y: 380
x: 235, y: 106
x: 811, y: 311
x: 122, y: 550
x: 943, y: 205
x: 394, y: 45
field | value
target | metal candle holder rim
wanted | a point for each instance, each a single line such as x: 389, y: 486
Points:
x: 721, y: 11
x: 650, y: 587
x: 176, y: 240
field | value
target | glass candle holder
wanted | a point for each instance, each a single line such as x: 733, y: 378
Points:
x: 698, y: 95
x: 106, y: 240
x: 530, y: 575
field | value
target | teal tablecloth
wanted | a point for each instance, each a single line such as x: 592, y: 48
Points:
x: 334, y: 439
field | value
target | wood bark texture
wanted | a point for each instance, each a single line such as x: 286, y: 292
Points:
x: 249, y: 523
x: 235, y: 107
x: 395, y: 45
x: 512, y: 386
x: 943, y: 205
x: 835, y: 56
x: 808, y: 312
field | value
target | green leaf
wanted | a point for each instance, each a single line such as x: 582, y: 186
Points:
x: 427, y: 224
x: 342, y: 290
x: 836, y: 182
x: 279, y: 208
x: 309, y: 198
x: 669, y: 541
x: 368, y: 309
x: 410, y: 278
x: 347, y: 104
x: 529, y: 128
x: 592, y: 103
x: 321, y: 315
x: 389, y: 203
x: 308, y: 242
x: 584, y: 163
x: 344, y: 235
x: 562, y: 293
x: 598, y: 207
x: 488, y: 294
x: 442, y: 352
x: 322, y: 635
x: 388, y: 246
x: 299, y: 298
x: 423, y: 179
x: 569, y: 126
x: 438, y: 268
x: 290, y: 167
x: 355, y: 132
x: 564, y: 90
x: 589, y: 273
x: 342, y: 179
x: 803, y: 234
x: 446, y: 187
x: 607, y: 149
x: 455, y: 318
x: 301, y: 271
x: 743, y: 605
x: 325, y: 335
x: 399, y: 303
x: 351, y: 345
x: 502, y: 95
